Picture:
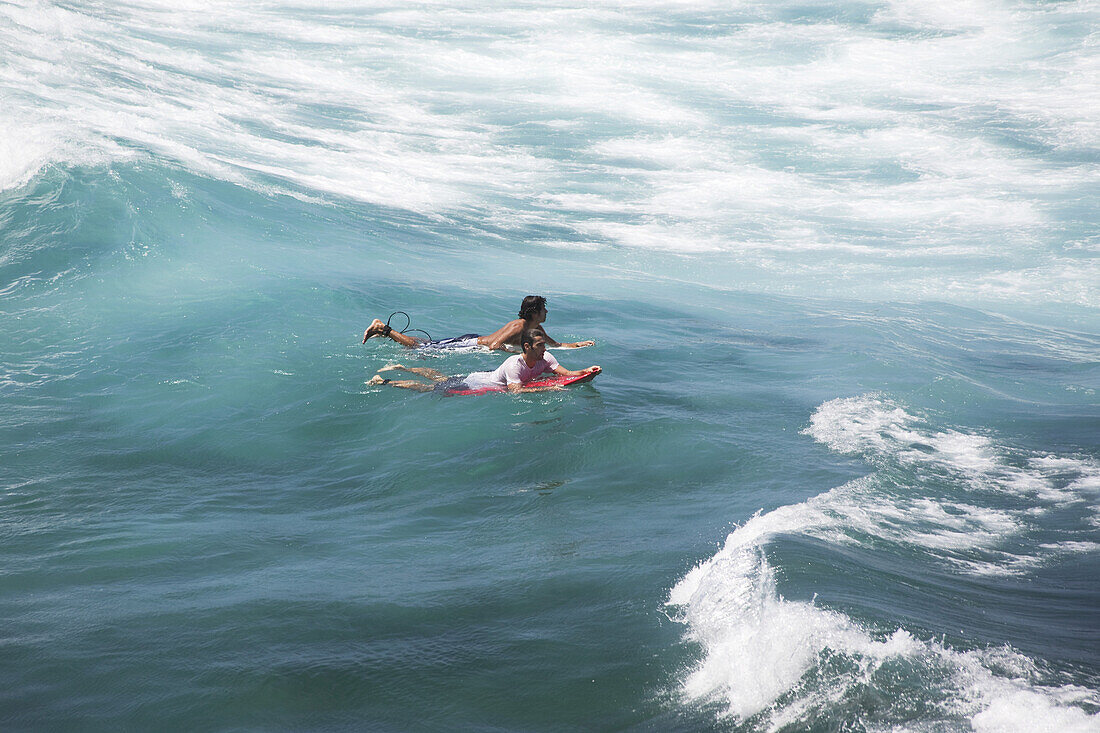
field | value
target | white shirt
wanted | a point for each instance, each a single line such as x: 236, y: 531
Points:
x: 514, y: 370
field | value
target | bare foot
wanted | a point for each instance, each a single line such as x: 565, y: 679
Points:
x: 391, y: 367
x: 374, y: 329
x: 377, y: 379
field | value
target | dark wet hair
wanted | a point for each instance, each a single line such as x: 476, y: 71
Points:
x: 529, y: 336
x: 531, y: 305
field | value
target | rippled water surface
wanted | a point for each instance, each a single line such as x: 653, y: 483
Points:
x: 841, y: 471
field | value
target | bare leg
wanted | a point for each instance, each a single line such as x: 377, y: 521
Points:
x: 425, y: 372
x: 403, y: 384
x: 377, y: 328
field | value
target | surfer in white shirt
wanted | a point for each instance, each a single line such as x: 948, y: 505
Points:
x: 513, y: 375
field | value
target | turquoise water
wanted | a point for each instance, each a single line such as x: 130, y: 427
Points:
x: 841, y: 471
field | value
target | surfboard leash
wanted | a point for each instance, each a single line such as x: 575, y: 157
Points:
x: 406, y: 329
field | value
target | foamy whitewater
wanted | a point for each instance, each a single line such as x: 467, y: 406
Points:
x: 841, y: 470
x: 760, y: 648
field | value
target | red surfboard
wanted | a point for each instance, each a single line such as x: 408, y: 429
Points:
x: 560, y: 381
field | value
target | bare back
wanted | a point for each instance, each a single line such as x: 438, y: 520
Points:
x: 508, y: 335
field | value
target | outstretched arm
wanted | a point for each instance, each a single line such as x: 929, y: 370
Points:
x: 572, y: 345
x: 562, y: 371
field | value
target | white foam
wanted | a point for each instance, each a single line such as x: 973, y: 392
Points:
x: 855, y: 424
x: 1031, y: 711
x: 21, y: 155
x: 760, y: 142
x: 874, y: 426
x: 757, y: 647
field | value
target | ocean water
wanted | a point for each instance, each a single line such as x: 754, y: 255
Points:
x: 842, y: 468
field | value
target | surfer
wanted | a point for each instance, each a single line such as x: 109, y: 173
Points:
x: 532, y: 314
x: 512, y: 375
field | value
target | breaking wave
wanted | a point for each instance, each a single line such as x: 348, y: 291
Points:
x: 955, y: 498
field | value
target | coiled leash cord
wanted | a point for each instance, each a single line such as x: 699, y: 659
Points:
x: 408, y: 322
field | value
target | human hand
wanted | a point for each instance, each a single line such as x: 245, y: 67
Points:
x: 582, y: 344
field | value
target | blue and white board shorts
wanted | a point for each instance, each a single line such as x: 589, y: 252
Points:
x: 467, y: 341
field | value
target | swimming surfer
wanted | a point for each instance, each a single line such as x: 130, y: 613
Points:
x: 532, y: 314
x: 512, y: 375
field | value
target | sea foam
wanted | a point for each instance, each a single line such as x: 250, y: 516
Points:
x: 764, y: 655
x: 918, y: 131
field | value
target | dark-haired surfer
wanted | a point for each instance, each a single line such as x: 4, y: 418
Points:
x: 532, y: 314
x: 512, y: 375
